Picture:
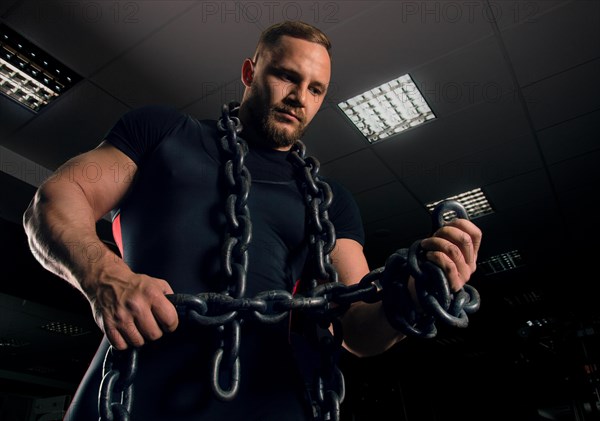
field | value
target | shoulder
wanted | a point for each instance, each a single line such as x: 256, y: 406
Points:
x: 344, y: 212
x: 340, y: 192
x: 139, y: 131
x: 156, y: 110
x: 153, y: 115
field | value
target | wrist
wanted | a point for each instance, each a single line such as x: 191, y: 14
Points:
x: 101, y: 266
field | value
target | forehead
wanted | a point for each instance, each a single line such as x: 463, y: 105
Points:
x: 300, y: 55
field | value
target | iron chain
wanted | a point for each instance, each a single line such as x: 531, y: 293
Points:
x: 323, y: 299
x: 116, y: 390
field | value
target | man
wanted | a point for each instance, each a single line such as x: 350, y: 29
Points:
x: 169, y: 220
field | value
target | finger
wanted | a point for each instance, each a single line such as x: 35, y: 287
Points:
x: 460, y: 239
x: 115, y: 338
x: 162, y: 309
x: 453, y: 254
x: 455, y: 280
x: 131, y: 334
x: 123, y: 323
x: 165, y: 314
x: 143, y: 323
x: 107, y: 325
x: 471, y: 229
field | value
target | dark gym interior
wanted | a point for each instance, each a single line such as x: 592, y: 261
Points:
x: 515, y: 91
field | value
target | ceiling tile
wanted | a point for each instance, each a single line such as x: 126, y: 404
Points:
x: 22, y: 168
x: 159, y: 70
x: 468, y: 76
x: 435, y: 181
x: 448, y: 138
x: 12, y: 116
x: 524, y: 208
x: 385, y: 236
x: 384, y: 201
x: 331, y: 135
x: 583, y: 170
x: 518, y: 190
x: 74, y: 123
x: 571, y: 138
x: 539, y: 47
x: 359, y: 171
x: 85, y: 35
x: 6, y: 5
x: 530, y: 227
x: 397, y: 37
x: 326, y: 15
x: 509, y: 13
x: 582, y: 226
x: 564, y: 96
x: 209, y: 106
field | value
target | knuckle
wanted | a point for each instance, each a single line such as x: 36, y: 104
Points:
x: 453, y: 251
x: 130, y: 329
x: 154, y: 335
x: 466, y: 240
x: 134, y: 305
x: 131, y: 334
x: 137, y: 341
x: 115, y: 339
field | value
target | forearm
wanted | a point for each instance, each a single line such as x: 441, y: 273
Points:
x: 61, y: 230
x: 367, y: 331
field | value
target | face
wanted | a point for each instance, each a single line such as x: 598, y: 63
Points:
x: 284, y: 90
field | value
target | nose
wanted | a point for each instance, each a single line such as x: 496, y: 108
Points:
x: 297, y: 95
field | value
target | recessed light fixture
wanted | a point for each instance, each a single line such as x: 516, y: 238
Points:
x: 12, y: 343
x: 28, y: 75
x: 65, y: 328
x: 474, y: 202
x: 501, y: 262
x: 388, y: 109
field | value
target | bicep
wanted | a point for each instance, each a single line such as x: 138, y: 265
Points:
x: 103, y: 175
x: 349, y: 260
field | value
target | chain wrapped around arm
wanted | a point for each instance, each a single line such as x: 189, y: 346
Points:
x: 324, y: 299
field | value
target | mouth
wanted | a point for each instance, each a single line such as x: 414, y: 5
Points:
x: 288, y: 114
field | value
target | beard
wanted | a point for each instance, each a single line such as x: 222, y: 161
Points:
x: 266, y: 121
x: 277, y: 135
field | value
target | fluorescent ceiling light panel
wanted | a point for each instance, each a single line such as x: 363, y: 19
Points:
x: 64, y: 328
x: 388, y: 109
x: 28, y: 75
x: 474, y: 202
x: 501, y: 262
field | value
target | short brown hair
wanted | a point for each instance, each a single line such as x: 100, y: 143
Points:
x: 296, y: 29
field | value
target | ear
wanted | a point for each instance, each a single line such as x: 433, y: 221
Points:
x: 247, y: 72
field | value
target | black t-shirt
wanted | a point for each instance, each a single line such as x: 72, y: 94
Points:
x: 171, y: 225
x: 172, y: 222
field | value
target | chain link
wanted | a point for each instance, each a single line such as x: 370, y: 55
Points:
x: 323, y: 299
x: 116, y: 390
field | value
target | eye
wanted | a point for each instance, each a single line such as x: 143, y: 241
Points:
x: 315, y: 91
x: 284, y: 76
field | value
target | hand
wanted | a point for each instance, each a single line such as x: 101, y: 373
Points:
x: 133, y: 309
x: 454, y: 249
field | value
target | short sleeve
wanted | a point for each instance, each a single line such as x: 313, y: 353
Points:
x: 345, y: 214
x: 139, y: 131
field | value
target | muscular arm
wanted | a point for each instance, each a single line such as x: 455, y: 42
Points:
x: 60, y: 224
x: 366, y: 329
x: 367, y: 332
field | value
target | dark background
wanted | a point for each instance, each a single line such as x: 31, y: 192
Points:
x: 514, y: 85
